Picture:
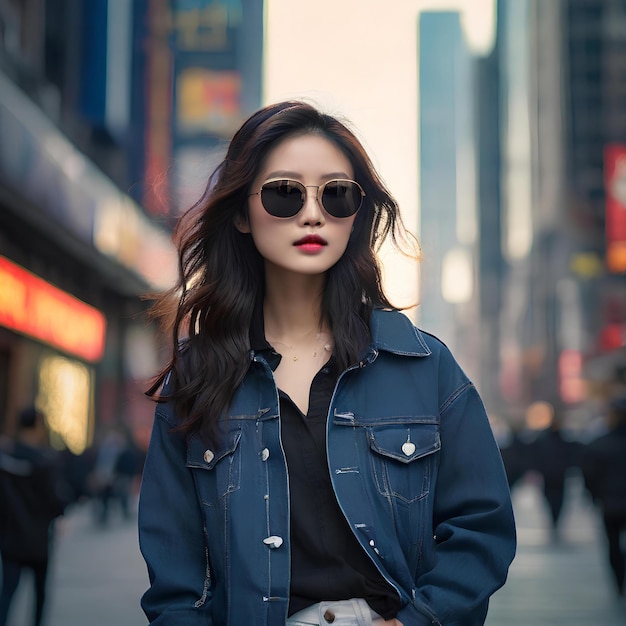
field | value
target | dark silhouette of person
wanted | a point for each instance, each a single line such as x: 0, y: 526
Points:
x: 127, y: 468
x: 515, y: 457
x: 604, y: 471
x: 32, y: 495
x: 103, y: 477
x: 76, y: 470
x: 552, y: 455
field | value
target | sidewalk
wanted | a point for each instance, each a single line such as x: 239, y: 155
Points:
x: 557, y: 583
x: 98, y: 575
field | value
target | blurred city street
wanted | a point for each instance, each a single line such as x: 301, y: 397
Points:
x: 496, y: 130
x: 98, y: 574
x: 557, y: 582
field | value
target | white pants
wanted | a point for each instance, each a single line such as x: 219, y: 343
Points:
x: 355, y: 612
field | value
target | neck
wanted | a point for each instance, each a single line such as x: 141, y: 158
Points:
x: 293, y: 307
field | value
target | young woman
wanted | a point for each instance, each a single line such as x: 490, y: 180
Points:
x: 315, y: 458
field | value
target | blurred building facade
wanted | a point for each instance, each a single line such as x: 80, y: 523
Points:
x: 450, y: 279
x: 102, y: 103
x: 528, y: 200
x: 554, y: 253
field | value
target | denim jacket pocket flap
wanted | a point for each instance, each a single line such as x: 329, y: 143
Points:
x: 203, y: 457
x: 405, y: 442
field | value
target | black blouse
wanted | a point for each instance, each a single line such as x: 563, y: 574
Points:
x: 327, y: 562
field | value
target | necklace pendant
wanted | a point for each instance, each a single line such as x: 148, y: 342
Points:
x: 295, y: 357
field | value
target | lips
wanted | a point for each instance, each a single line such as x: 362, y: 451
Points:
x: 314, y: 239
x: 311, y: 243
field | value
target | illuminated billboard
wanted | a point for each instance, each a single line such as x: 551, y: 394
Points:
x: 34, y: 307
x: 615, y: 184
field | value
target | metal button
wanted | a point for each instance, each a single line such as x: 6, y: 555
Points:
x: 273, y: 541
x: 408, y: 447
x: 329, y: 616
x: 209, y: 456
x: 265, y: 454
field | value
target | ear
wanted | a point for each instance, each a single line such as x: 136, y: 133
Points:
x: 241, y: 224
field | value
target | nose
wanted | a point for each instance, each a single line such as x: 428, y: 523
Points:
x: 312, y: 213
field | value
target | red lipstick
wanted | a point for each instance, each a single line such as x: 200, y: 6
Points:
x: 311, y: 243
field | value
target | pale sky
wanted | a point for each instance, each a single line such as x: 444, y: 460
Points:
x: 358, y: 59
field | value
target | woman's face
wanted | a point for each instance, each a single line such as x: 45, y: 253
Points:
x: 311, y: 241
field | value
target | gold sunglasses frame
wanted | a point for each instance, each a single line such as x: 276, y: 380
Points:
x: 317, y: 193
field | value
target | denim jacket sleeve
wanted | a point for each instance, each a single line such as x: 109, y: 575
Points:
x: 474, y: 529
x: 171, y: 533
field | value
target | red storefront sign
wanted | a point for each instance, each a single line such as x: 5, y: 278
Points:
x: 615, y: 186
x: 34, y: 307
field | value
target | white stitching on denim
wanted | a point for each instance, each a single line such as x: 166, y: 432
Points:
x: 207, y: 579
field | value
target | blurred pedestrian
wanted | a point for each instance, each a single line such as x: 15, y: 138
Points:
x: 32, y: 495
x: 77, y: 470
x: 127, y: 469
x: 103, y: 476
x: 515, y: 455
x: 315, y: 457
x: 604, y: 470
x: 553, y: 455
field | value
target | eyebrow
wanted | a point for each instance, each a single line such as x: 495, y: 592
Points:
x: 298, y: 175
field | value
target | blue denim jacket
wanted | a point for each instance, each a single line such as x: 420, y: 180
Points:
x: 416, y: 472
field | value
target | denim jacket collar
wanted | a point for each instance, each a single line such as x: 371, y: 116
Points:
x: 398, y: 337
x: 391, y: 331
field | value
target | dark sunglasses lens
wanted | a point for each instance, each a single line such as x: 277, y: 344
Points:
x: 341, y: 198
x: 282, y: 198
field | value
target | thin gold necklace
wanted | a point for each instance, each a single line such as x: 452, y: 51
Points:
x: 326, y: 347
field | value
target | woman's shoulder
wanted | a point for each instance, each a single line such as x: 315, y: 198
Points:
x: 164, y: 400
x: 393, y: 330
x: 395, y: 333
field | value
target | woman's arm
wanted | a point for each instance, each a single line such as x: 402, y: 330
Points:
x: 474, y: 529
x: 171, y: 533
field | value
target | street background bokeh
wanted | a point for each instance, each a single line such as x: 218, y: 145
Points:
x: 499, y: 125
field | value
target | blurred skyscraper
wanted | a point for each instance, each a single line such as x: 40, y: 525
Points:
x: 523, y: 172
x: 103, y: 106
x: 448, y: 186
x: 553, y: 266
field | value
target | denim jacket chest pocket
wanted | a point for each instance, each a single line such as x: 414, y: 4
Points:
x: 216, y: 468
x: 402, y: 455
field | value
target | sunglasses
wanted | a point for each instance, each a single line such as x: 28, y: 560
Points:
x: 285, y: 198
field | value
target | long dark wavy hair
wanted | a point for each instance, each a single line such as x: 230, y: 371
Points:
x: 221, y: 274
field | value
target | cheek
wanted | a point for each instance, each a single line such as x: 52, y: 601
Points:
x: 341, y: 240
x: 347, y: 230
x: 258, y: 220
x: 264, y: 233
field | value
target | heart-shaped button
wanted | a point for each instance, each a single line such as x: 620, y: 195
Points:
x: 408, y: 447
x: 273, y: 541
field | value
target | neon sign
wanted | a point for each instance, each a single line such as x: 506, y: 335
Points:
x: 34, y: 307
x: 615, y: 184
